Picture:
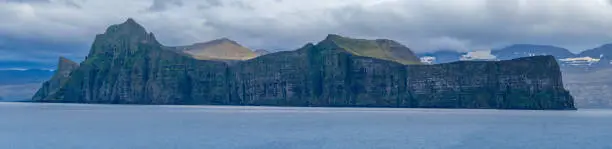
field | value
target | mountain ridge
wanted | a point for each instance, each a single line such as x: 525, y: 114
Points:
x: 218, y: 49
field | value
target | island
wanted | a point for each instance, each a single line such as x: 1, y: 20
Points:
x: 127, y: 65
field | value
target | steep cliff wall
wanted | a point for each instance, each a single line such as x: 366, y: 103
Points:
x: 525, y: 83
x: 319, y: 75
x: 280, y: 78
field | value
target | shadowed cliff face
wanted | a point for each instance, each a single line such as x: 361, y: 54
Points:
x: 524, y: 83
x: 127, y: 65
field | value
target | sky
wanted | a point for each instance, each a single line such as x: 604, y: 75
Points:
x: 36, y: 32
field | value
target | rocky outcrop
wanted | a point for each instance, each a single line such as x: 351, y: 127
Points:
x: 50, y: 89
x: 127, y: 65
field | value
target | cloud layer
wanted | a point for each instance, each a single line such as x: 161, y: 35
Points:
x: 67, y: 27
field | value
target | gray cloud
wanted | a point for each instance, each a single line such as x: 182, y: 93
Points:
x: 210, y: 4
x: 274, y: 24
x: 161, y: 5
x: 25, y: 1
x: 72, y: 4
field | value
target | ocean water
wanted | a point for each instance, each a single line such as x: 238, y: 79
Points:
x: 73, y: 126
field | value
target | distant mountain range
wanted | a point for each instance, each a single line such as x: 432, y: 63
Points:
x: 220, y: 49
x: 588, y: 60
x: 127, y: 65
x: 23, y: 65
x: 13, y: 77
x: 17, y: 84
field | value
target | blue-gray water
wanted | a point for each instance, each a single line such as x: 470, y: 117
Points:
x: 70, y: 126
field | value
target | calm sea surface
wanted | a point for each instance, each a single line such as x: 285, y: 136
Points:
x: 73, y: 126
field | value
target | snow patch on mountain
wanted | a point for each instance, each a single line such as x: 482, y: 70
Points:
x: 478, y: 55
x: 428, y: 60
x: 579, y: 61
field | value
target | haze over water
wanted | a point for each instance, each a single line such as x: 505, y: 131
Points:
x: 67, y: 126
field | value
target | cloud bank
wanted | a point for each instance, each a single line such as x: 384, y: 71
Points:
x: 67, y: 27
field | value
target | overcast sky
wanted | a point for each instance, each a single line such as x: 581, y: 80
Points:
x: 41, y: 30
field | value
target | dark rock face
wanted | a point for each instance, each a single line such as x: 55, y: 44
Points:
x: 319, y: 75
x: 50, y: 89
x: 280, y: 78
x: 525, y: 83
x: 127, y: 65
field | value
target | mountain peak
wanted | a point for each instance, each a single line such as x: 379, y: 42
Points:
x: 333, y: 37
x: 63, y: 61
x: 222, y: 40
x: 64, y: 69
x: 130, y: 26
x: 219, y: 49
x: 130, y: 21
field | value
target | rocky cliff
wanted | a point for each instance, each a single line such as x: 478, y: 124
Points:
x: 49, y: 89
x: 328, y: 75
x: 524, y: 83
x: 127, y: 65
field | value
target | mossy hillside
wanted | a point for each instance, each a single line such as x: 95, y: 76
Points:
x: 379, y: 48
